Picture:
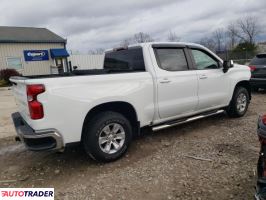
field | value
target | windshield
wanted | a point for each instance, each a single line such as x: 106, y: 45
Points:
x: 259, y: 60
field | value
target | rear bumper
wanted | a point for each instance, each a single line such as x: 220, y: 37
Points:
x: 258, y: 82
x: 49, y: 139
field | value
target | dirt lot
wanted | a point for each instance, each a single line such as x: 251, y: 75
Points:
x: 157, y: 166
x: 7, y: 106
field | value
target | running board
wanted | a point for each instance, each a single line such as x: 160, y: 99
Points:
x: 175, y: 123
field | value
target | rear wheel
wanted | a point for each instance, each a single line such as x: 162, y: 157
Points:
x: 239, y: 103
x: 107, y: 136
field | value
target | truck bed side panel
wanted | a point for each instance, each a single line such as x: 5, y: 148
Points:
x: 67, y: 100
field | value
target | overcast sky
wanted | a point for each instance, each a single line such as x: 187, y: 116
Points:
x: 93, y: 24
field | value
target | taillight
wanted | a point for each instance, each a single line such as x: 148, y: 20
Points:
x: 263, y: 118
x: 35, y: 107
x: 262, y: 140
x: 252, y: 68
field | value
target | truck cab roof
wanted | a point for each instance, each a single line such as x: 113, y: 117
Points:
x: 162, y: 44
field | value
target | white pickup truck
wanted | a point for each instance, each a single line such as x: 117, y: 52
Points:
x: 155, y: 85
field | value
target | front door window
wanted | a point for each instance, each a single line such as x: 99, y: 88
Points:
x: 203, y: 60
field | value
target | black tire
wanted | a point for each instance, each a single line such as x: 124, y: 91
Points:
x: 94, y: 127
x: 232, y: 109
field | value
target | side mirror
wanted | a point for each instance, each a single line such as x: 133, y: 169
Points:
x: 227, y: 65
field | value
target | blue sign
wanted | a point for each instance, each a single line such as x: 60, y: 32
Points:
x: 36, y: 55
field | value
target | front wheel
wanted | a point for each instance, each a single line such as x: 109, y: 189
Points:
x: 239, y: 103
x: 107, y: 136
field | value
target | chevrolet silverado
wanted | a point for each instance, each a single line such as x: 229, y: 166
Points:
x: 156, y: 85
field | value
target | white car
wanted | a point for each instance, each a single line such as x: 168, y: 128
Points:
x: 155, y: 85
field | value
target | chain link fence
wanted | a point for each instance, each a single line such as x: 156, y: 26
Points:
x: 240, y: 57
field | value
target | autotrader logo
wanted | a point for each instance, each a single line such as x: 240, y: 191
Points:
x: 27, y: 193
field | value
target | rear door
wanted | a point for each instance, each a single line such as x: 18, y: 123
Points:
x: 176, y: 84
x: 213, y: 82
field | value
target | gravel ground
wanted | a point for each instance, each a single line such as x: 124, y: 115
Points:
x: 157, y: 166
x: 7, y: 106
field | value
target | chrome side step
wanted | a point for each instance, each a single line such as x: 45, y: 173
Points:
x: 165, y: 125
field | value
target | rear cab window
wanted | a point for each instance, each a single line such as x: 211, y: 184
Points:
x: 126, y: 59
x: 171, y: 59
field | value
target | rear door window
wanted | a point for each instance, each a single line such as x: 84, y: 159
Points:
x: 127, y: 59
x: 171, y: 59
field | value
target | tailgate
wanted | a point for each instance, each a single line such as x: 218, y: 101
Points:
x: 20, y: 94
x: 260, y: 71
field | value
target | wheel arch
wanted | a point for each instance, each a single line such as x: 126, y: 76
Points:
x: 245, y: 84
x: 124, y: 108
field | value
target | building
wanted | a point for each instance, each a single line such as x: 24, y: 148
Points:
x: 32, y: 51
x: 86, y: 61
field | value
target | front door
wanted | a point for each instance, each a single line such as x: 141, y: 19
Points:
x: 176, y: 83
x: 60, y: 65
x: 213, y: 82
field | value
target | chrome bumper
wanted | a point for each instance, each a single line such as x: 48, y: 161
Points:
x: 49, y: 139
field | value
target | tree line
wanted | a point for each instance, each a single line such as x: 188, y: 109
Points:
x: 138, y: 38
x: 241, y: 32
x: 237, y: 34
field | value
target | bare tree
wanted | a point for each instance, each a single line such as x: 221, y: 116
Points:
x: 208, y: 42
x: 232, y: 33
x: 172, y: 37
x: 249, y: 29
x: 219, y: 36
x: 245, y: 30
x: 136, y: 38
x: 96, y: 51
x: 126, y: 42
x: 142, y: 37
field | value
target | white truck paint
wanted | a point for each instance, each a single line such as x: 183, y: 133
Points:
x: 157, y: 95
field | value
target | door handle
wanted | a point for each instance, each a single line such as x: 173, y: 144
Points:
x: 165, y: 80
x: 203, y: 76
